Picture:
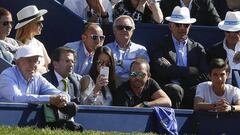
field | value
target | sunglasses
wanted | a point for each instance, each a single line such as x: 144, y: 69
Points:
x: 121, y: 27
x: 98, y: 37
x: 180, y: 24
x: 137, y: 74
x: 6, y: 23
x: 101, y: 63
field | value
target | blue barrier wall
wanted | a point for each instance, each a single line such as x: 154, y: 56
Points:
x: 126, y: 119
x: 61, y: 26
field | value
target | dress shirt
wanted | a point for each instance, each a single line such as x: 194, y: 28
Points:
x: 61, y: 85
x: 14, y: 87
x: 181, y: 52
x: 127, y: 57
x: 230, y: 55
x: 83, y: 59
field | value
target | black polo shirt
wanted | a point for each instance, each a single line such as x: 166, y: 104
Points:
x: 126, y: 96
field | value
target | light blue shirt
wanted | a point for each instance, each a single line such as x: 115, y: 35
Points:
x: 14, y: 88
x: 127, y: 57
x: 83, y: 59
x: 181, y: 52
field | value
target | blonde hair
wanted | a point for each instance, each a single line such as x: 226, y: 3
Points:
x: 24, y: 33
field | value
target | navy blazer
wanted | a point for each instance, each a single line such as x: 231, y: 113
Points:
x: 74, y: 87
x: 196, y: 58
x: 203, y: 10
x: 216, y: 51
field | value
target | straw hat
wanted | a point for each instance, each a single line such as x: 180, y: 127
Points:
x: 28, y: 14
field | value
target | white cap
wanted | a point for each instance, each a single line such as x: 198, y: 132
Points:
x: 28, y: 51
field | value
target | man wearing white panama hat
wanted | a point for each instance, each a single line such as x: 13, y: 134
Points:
x: 229, y: 48
x: 179, y: 63
x: 203, y: 10
x: 30, y: 25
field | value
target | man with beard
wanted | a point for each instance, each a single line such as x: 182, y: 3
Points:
x: 141, y: 90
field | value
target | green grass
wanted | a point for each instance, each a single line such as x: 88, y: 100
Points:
x: 7, y: 130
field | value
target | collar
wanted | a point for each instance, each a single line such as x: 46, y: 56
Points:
x: 189, y: 5
x: 118, y: 46
x: 22, y: 77
x: 176, y: 42
x: 86, y: 52
x: 59, y: 77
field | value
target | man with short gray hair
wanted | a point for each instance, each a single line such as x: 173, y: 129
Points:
x: 124, y: 50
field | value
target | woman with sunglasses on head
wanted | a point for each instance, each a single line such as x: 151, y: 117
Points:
x: 143, y: 11
x: 99, y: 86
x: 8, y: 46
x: 30, y: 25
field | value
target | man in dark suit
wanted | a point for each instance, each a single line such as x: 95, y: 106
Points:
x: 61, y: 75
x: 229, y: 48
x: 179, y: 63
x: 203, y: 10
x: 61, y: 68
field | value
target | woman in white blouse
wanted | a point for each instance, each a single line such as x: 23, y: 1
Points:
x: 29, y: 25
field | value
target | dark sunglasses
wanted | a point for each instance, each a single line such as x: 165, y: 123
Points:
x: 101, y: 63
x: 180, y: 24
x: 6, y: 23
x: 121, y: 27
x: 137, y: 74
x: 232, y: 31
x: 97, y: 37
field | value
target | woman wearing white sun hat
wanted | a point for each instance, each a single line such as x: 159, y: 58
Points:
x: 229, y: 48
x: 29, y: 25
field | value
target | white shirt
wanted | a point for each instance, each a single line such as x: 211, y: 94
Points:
x: 81, y: 8
x: 205, y: 91
x: 230, y: 55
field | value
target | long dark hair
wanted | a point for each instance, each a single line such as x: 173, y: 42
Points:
x: 94, y: 72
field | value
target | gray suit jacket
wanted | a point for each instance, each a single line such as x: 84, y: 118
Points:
x: 74, y: 87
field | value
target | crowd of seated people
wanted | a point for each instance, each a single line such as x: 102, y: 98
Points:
x: 88, y: 72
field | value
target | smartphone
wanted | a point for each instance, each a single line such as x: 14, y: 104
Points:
x: 104, y: 71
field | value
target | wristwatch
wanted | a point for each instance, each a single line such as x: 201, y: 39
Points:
x: 145, y: 104
x: 105, y: 16
x: 119, y: 63
x: 232, y: 108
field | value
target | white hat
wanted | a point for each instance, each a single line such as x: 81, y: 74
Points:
x: 231, y: 22
x: 27, y: 51
x: 181, y: 15
x: 28, y: 14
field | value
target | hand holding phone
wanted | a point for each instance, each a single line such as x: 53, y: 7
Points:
x: 104, y: 71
